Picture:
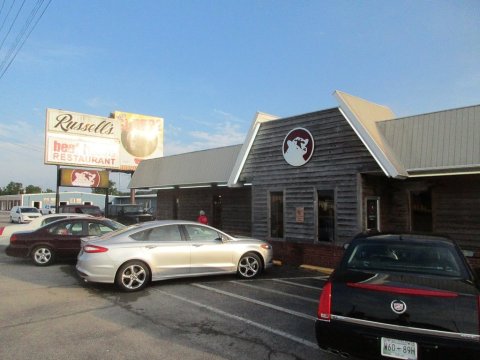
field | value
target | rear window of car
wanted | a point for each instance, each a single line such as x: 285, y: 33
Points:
x: 29, y: 210
x: 91, y: 211
x: 52, y: 219
x: 163, y: 233
x: 420, y: 258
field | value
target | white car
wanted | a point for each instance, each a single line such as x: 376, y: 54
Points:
x: 23, y: 214
x: 7, y: 231
x: 48, y: 209
x: 167, y: 249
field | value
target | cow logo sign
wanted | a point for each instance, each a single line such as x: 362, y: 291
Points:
x: 85, y: 178
x: 298, y: 147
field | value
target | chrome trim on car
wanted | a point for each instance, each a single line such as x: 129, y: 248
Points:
x: 375, y: 324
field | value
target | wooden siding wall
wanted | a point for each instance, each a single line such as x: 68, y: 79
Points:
x: 338, y: 157
x: 236, y: 206
x: 455, y: 206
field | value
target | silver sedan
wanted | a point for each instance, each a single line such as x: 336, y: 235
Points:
x: 158, y: 250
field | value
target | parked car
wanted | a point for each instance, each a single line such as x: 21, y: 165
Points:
x: 401, y: 296
x: 23, y: 214
x: 157, y: 250
x: 129, y: 214
x: 47, y: 209
x: 59, y: 239
x: 7, y: 231
x: 81, y: 209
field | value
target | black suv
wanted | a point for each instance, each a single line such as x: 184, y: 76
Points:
x: 128, y: 214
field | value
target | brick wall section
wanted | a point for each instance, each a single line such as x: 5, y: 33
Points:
x: 475, y: 260
x: 323, y: 255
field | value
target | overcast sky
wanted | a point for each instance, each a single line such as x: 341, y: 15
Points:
x: 206, y: 66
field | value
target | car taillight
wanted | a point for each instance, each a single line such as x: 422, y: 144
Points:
x: 404, y: 291
x: 325, y: 303
x: 13, y: 238
x: 91, y: 249
x: 1, y: 229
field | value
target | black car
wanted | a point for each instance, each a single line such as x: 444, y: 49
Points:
x: 401, y: 296
x: 59, y: 239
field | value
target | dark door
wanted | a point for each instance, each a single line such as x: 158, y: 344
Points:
x: 217, y: 211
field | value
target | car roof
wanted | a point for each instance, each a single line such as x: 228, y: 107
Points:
x: 63, y: 215
x: 154, y: 223
x: 89, y: 218
x: 407, y: 237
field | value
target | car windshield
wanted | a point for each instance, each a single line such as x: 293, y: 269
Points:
x: 29, y: 210
x: 420, y: 258
x: 131, y: 209
x: 91, y: 211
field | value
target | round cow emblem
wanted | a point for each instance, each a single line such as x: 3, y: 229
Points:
x: 398, y: 306
x: 85, y: 178
x: 298, y: 147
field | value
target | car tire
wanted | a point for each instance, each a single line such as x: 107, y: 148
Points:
x: 249, y: 266
x: 132, y: 276
x: 19, y: 220
x: 42, y: 256
x: 11, y: 220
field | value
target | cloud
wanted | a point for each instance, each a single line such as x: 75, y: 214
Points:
x: 99, y: 103
x: 223, y: 134
x: 227, y: 116
x: 52, y: 54
x: 21, y: 153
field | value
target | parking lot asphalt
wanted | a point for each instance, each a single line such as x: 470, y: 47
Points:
x: 50, y: 313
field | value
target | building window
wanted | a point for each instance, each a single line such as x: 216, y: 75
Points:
x: 421, y: 211
x: 276, y: 214
x: 372, y: 213
x: 326, y: 215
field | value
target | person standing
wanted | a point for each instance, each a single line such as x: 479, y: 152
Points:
x: 202, y: 218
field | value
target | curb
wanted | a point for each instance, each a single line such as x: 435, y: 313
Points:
x: 317, y: 268
x: 307, y: 267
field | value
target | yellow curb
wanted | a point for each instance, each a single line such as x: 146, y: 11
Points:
x: 317, y: 268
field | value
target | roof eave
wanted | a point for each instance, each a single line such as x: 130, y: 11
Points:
x: 259, y: 118
x: 384, y: 162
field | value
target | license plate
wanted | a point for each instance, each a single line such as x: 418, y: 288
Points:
x: 399, y: 349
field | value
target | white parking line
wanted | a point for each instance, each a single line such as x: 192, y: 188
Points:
x: 297, y: 284
x: 243, y: 283
x: 278, y: 308
x: 249, y: 322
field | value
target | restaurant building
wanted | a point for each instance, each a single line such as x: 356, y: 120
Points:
x: 309, y: 183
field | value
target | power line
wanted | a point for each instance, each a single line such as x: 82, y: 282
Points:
x: 23, y: 35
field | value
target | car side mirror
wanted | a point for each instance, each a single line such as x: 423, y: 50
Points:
x: 468, y: 253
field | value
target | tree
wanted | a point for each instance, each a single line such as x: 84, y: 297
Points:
x: 30, y: 189
x: 12, y: 188
x: 112, y: 190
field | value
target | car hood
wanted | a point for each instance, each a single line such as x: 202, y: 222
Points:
x: 246, y: 240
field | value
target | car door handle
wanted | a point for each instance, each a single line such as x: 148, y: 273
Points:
x: 151, y: 246
x: 197, y: 245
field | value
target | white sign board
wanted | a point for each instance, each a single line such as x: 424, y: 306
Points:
x: 76, y: 139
